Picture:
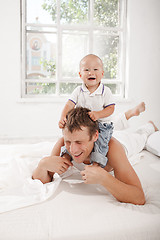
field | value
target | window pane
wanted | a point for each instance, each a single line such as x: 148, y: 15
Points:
x: 67, y: 88
x: 41, y: 55
x: 82, y: 27
x: 74, y: 11
x: 74, y: 47
x: 106, y: 47
x: 41, y: 11
x: 106, y: 13
x: 40, y: 29
x: 115, y: 88
x: 40, y: 88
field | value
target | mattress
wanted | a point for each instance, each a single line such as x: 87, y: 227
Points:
x: 68, y: 209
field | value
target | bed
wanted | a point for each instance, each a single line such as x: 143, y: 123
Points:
x: 68, y: 209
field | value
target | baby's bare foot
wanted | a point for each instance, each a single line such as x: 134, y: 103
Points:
x: 156, y: 129
x: 138, y: 109
x: 135, y: 111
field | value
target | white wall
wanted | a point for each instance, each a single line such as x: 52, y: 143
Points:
x: 144, y: 55
x: 19, y: 119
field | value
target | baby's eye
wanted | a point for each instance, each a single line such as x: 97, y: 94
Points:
x: 86, y: 69
x: 95, y: 69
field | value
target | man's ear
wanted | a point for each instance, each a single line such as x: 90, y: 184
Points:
x: 95, y: 136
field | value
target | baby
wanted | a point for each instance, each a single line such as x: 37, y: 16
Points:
x: 96, y: 97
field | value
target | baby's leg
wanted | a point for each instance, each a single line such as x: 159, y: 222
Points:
x: 121, y: 121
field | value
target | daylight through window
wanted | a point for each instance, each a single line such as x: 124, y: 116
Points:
x: 57, y: 34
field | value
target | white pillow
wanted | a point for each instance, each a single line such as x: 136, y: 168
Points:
x: 153, y: 143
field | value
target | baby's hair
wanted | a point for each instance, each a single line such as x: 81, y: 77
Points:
x: 78, y: 118
x: 90, y: 55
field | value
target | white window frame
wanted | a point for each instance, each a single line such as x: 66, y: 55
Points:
x: 60, y: 28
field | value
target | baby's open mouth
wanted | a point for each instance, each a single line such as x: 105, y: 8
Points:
x: 91, y: 78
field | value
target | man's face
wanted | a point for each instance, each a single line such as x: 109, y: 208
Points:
x: 78, y: 143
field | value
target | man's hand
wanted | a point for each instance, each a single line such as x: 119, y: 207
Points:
x: 56, y: 164
x: 92, y: 174
x: 94, y: 115
x: 62, y: 122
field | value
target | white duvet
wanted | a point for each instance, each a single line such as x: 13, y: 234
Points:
x: 68, y: 209
x: 17, y: 188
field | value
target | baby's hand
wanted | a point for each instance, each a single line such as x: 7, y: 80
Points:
x: 62, y: 123
x: 94, y: 115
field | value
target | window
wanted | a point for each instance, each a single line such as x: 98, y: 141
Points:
x: 57, y: 34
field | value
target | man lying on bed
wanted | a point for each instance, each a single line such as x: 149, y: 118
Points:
x: 79, y: 136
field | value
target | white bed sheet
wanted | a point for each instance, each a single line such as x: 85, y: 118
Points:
x: 74, y: 210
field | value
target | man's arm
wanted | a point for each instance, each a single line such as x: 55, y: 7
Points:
x: 125, y: 186
x: 51, y: 164
x: 106, y: 112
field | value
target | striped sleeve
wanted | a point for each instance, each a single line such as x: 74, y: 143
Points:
x: 75, y: 94
x: 108, y: 97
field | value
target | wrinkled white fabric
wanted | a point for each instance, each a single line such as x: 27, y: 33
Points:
x: 17, y: 188
x: 134, y: 142
x: 77, y: 211
x: 120, y: 122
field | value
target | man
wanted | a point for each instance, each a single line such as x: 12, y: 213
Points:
x: 79, y: 136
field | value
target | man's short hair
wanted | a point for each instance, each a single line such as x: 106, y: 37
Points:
x: 78, y: 118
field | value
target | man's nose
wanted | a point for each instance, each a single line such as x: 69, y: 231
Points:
x: 73, y: 148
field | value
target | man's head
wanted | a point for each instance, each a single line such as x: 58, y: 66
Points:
x: 80, y: 133
x: 78, y: 118
x: 91, y: 70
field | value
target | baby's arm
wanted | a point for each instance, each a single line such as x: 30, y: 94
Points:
x: 106, y: 112
x: 69, y: 105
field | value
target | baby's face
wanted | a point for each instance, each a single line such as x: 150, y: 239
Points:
x: 91, y: 71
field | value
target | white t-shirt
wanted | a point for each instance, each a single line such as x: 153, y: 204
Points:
x: 96, y: 101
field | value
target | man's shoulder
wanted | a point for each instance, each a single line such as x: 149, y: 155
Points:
x: 116, y: 155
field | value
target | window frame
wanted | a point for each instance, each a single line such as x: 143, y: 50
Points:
x: 121, y: 29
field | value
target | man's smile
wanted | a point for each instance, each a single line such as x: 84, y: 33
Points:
x: 77, y: 155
